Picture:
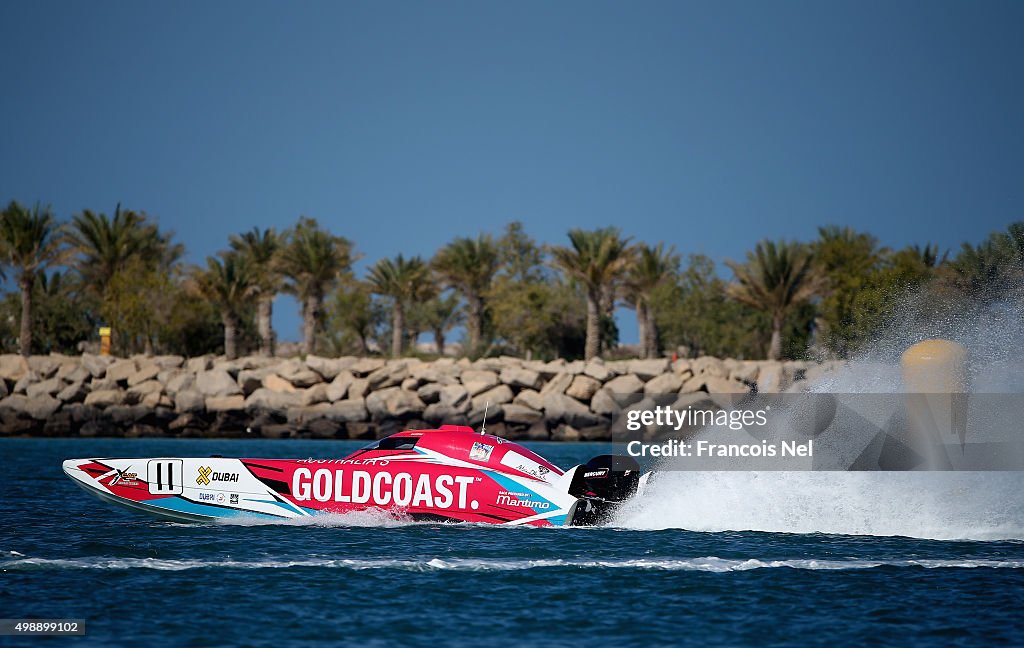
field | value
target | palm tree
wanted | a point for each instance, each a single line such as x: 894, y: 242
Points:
x: 440, y: 315
x: 105, y: 245
x: 775, y: 278
x: 469, y: 265
x: 597, y: 259
x: 651, y: 268
x: 310, y: 261
x: 260, y: 249
x: 30, y: 240
x: 403, y: 280
x: 229, y: 284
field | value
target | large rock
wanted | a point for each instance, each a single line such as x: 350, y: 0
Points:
x: 96, y: 365
x: 439, y: 413
x: 202, y: 363
x: 709, y: 366
x: 189, y: 400
x: 180, y: 382
x: 12, y: 367
x: 121, y: 370
x: 597, y: 370
x: 214, y: 383
x: 603, y: 404
x: 338, y: 388
x: 41, y: 407
x: 148, y: 387
x: 328, y: 367
x: 264, y: 399
x: 389, y: 375
x: 529, y: 398
x: 625, y: 385
x: 583, y: 388
x: 521, y: 414
x: 46, y: 387
x: 717, y: 385
x: 299, y: 375
x: 352, y: 410
x: 667, y: 383
x: 105, y: 398
x: 558, y: 384
x: 26, y: 381
x: 559, y: 407
x: 234, y: 403
x: 477, y: 381
x: 44, y: 366
x: 273, y: 382
x: 359, y: 388
x: 455, y: 397
x: 430, y: 393
x: 647, y: 369
x: 73, y: 393
x: 249, y: 380
x: 313, y: 395
x: 495, y: 396
x: 394, y: 402
x: 517, y: 377
x: 147, y: 372
x: 365, y: 366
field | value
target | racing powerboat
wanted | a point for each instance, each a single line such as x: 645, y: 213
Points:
x: 449, y: 474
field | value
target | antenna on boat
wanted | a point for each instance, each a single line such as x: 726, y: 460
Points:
x: 483, y: 426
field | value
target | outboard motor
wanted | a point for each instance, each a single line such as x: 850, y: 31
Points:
x: 601, y: 485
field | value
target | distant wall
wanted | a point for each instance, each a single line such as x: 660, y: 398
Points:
x: 353, y: 397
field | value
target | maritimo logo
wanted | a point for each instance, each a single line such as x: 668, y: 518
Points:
x: 204, y: 475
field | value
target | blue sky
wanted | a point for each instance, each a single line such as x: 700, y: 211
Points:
x: 402, y: 125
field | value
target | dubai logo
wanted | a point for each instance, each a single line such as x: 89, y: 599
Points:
x: 204, y: 475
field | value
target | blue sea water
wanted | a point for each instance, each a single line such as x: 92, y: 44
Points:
x: 370, y: 580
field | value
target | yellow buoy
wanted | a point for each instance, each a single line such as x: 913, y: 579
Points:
x: 936, y: 384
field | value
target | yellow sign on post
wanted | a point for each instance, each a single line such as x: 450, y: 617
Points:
x: 105, y: 340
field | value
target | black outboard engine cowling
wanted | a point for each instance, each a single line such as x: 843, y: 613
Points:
x: 601, y: 485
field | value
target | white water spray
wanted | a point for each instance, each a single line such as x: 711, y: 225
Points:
x: 938, y: 505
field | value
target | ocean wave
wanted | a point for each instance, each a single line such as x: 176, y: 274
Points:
x: 704, y: 564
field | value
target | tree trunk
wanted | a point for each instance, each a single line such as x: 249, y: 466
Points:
x: 230, y: 335
x: 264, y: 318
x: 775, y: 346
x: 310, y: 314
x: 593, y: 344
x: 397, y: 328
x: 652, y: 335
x: 25, y: 335
x: 474, y: 323
x: 641, y: 325
x: 439, y: 340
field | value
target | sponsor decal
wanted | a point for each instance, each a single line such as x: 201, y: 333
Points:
x: 598, y: 473
x: 516, y: 461
x: 220, y: 498
x: 206, y: 475
x: 234, y: 498
x: 382, y: 488
x: 506, y: 498
x: 480, y: 451
x: 125, y: 478
x: 207, y: 497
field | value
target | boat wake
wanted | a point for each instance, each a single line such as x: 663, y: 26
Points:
x: 704, y: 564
